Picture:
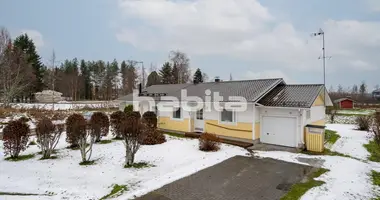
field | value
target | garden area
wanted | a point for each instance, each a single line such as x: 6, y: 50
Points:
x: 98, y: 156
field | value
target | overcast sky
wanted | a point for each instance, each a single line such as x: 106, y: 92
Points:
x: 247, y: 38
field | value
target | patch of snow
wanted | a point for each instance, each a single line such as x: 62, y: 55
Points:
x: 342, y: 119
x: 64, y: 106
x: 356, y: 112
x: 351, y: 141
x: 174, y: 159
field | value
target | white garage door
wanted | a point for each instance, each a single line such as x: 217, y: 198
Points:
x: 279, y: 131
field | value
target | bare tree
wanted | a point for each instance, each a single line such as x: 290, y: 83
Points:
x: 14, y: 69
x: 181, y: 60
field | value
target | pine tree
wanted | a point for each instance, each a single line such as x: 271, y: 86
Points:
x: 109, y: 79
x: 153, y: 79
x: 198, y: 78
x: 123, y: 71
x: 166, y: 73
x: 175, y: 74
x: 86, y: 77
x: 363, y: 88
x: 131, y: 76
x: 26, y: 44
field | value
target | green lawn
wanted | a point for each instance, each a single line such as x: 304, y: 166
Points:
x: 21, y: 158
x: 117, y: 190
x: 140, y: 165
x: 299, y: 189
x: 374, y: 151
x: 331, y: 136
x: 375, y: 177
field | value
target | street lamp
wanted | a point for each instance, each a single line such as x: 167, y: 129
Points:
x: 322, y: 33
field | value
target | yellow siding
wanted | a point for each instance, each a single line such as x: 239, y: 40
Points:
x: 319, y: 101
x: 257, y: 130
x: 175, y: 125
x: 314, y: 141
x: 321, y: 122
x: 240, y: 130
x: 192, y: 125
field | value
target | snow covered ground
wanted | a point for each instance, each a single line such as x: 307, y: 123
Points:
x: 348, y: 179
x: 355, y: 112
x: 64, y: 177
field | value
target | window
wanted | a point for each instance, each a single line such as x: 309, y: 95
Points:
x: 200, y: 114
x: 308, y: 114
x: 177, y: 113
x: 227, y: 116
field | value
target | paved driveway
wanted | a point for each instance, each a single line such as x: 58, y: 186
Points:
x: 239, y: 178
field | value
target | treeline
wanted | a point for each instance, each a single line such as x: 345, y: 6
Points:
x: 358, y: 92
x: 22, y: 73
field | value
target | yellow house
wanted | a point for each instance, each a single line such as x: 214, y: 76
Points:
x: 263, y: 110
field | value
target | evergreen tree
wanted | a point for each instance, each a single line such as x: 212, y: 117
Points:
x: 175, y: 74
x: 198, y: 78
x: 131, y: 76
x: 166, y: 73
x: 110, y: 79
x: 363, y: 88
x: 86, y: 77
x: 123, y: 71
x: 153, y: 79
x: 26, y: 44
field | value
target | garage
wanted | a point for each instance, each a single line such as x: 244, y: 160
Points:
x: 279, y: 130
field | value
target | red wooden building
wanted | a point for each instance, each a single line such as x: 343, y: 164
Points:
x: 345, y: 103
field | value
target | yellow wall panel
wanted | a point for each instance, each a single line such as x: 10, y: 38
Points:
x: 314, y: 141
x: 240, y: 130
x: 319, y: 101
x: 257, y: 130
x: 321, y: 122
x: 175, y: 125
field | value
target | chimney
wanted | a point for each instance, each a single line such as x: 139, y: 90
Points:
x: 217, y: 79
x: 140, y: 88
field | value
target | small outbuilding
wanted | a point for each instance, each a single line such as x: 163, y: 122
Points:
x: 345, y: 103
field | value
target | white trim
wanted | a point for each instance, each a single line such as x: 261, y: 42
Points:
x: 254, y: 122
x: 272, y: 107
x: 234, y: 119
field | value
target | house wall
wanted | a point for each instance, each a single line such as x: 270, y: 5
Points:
x: 317, y: 115
x: 166, y: 121
x: 241, y: 128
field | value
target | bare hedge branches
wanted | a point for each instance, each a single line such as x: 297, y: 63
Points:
x: 209, y: 142
x: 99, y: 123
x: 73, y: 126
x: 363, y: 123
x: 116, y: 120
x: 152, y: 135
x: 48, y: 135
x: 15, y: 136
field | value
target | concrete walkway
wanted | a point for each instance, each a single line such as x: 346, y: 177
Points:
x: 240, y: 178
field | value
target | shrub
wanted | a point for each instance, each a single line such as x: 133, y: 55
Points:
x: 363, y: 123
x: 132, y: 136
x: 150, y: 119
x: 152, y: 135
x: 376, y: 129
x: 15, y: 136
x: 128, y: 108
x: 99, y: 123
x: 116, y: 120
x: 209, y: 142
x: 82, y: 135
x: 73, y: 125
x: 48, y: 136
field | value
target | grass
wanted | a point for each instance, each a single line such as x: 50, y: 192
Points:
x: 51, y: 158
x: 375, y: 177
x: 175, y: 135
x: 117, y: 190
x: 21, y: 158
x: 299, y: 189
x: 374, y: 151
x: 76, y: 147
x: 91, y: 162
x: 117, y: 139
x: 32, y: 143
x: 331, y: 136
x: 105, y: 141
x: 139, y: 165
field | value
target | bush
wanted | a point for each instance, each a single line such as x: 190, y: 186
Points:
x: 48, y: 136
x: 376, y: 129
x: 363, y: 123
x: 150, y: 119
x: 209, y: 142
x: 15, y: 136
x: 152, y: 136
x: 116, y: 121
x: 99, y: 123
x: 128, y: 108
x: 132, y: 135
x: 74, y: 124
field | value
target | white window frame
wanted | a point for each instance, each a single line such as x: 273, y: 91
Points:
x: 199, y: 113
x: 180, y: 117
x: 234, y: 118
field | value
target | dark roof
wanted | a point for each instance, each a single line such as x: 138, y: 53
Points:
x: 251, y: 90
x: 165, y: 88
x: 302, y: 96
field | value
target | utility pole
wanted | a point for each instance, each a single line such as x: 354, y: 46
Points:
x: 322, y: 33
